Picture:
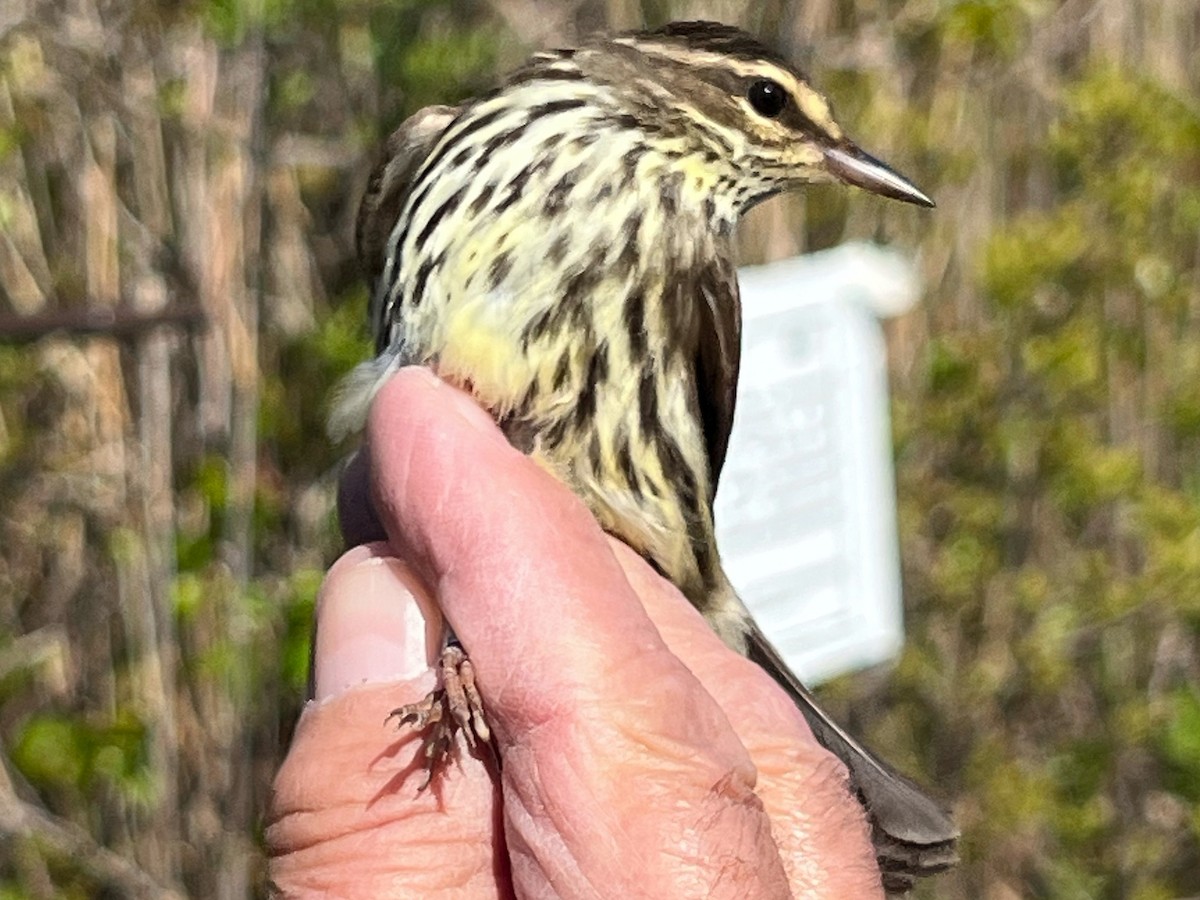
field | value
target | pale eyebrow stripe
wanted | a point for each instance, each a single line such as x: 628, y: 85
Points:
x: 812, y: 107
x: 691, y: 56
x: 816, y: 109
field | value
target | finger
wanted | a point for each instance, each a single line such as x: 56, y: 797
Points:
x: 618, y: 768
x: 518, y: 563
x: 339, y: 824
x: 821, y: 829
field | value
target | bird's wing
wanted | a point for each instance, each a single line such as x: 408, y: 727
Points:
x: 718, y: 357
x: 405, y: 150
x: 912, y: 833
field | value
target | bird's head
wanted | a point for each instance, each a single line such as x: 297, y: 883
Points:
x: 702, y: 88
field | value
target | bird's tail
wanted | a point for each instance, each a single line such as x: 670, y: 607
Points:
x: 913, y: 834
x: 354, y: 394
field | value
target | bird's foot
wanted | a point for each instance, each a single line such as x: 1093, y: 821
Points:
x: 445, y: 711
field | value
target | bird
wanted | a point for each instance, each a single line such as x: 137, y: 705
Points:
x: 562, y: 247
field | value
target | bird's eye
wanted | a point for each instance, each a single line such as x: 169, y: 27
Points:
x: 767, y: 97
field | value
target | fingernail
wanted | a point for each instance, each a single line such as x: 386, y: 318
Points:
x: 375, y: 622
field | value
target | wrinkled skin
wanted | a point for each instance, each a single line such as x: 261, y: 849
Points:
x: 641, y: 757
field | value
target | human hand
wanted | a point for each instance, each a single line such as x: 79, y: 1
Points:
x: 641, y: 757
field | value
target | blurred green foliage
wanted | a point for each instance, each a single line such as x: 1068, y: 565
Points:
x: 1047, y: 457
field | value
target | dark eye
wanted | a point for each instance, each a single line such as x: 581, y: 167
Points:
x: 767, y: 97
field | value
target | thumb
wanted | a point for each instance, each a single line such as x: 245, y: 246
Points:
x: 345, y: 818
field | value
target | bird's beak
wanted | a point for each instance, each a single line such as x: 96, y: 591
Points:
x: 853, y: 166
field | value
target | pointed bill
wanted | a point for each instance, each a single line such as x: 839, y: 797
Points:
x: 853, y: 166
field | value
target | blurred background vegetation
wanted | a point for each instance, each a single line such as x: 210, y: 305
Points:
x: 178, y: 295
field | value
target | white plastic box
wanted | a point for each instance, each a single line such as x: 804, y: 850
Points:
x: 806, y: 509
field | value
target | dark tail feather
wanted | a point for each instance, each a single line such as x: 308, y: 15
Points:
x: 913, y: 835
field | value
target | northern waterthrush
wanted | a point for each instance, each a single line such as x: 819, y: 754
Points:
x: 562, y: 246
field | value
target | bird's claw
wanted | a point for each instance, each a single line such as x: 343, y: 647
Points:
x: 452, y: 708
